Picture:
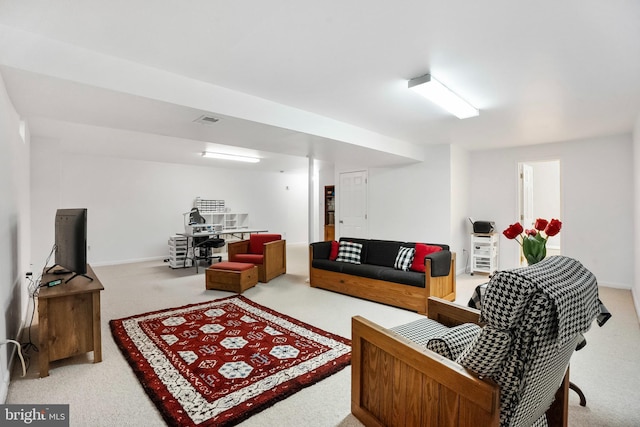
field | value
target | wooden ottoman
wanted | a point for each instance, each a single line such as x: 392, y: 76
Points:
x: 231, y: 276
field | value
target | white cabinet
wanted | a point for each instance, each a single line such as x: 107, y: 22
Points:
x: 178, y: 252
x: 484, y: 252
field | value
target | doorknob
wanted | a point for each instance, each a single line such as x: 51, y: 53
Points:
x: 341, y: 222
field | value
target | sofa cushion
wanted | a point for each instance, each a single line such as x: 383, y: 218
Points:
x: 328, y: 265
x: 421, y: 331
x: 412, y: 278
x: 382, y: 252
x: 364, y: 270
x: 422, y: 250
x: 349, y: 252
x: 440, y: 263
x: 249, y: 258
x: 231, y: 266
x: 321, y: 250
x: 257, y: 241
x: 334, y: 250
x: 404, y: 258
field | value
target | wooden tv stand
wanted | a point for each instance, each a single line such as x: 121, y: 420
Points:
x: 69, y: 318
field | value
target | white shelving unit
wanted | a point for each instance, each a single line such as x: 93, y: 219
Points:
x: 216, y: 213
x: 484, y: 252
x: 228, y: 220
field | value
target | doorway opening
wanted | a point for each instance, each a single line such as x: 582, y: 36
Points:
x: 539, y: 196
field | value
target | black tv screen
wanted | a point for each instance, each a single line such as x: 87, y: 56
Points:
x: 71, y: 240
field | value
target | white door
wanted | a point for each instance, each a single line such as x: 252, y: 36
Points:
x: 352, y: 215
x: 526, y: 195
x: 539, y: 197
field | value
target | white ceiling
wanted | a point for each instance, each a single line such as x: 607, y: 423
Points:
x: 326, y: 79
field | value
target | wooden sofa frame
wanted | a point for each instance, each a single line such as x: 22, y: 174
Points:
x: 395, y: 382
x: 395, y: 294
x: 275, y: 257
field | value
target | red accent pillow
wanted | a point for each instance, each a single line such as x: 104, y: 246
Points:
x: 334, y: 250
x: 422, y: 251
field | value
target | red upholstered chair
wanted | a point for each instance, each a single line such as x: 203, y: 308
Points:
x: 267, y: 251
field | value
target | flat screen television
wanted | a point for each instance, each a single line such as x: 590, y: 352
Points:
x: 71, y: 242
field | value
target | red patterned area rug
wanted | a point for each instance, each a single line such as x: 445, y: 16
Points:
x: 218, y: 363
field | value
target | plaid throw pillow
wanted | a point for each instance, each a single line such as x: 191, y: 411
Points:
x: 404, y: 258
x: 349, y: 252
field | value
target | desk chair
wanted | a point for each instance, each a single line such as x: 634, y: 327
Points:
x: 195, y: 217
x: 203, y: 249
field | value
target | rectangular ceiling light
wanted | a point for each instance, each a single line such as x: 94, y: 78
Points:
x: 436, y: 92
x: 233, y: 157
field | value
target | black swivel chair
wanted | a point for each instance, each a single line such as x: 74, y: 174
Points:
x: 195, y: 217
x: 203, y: 246
x: 203, y: 250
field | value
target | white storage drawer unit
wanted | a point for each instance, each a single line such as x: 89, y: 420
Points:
x: 484, y: 252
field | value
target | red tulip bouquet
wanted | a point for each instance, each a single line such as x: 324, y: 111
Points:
x: 534, y: 241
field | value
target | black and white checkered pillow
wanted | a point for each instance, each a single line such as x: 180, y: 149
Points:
x: 404, y: 258
x: 349, y: 252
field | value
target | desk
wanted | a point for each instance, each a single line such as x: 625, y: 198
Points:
x: 69, y: 318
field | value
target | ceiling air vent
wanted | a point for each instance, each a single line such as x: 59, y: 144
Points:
x: 207, y: 120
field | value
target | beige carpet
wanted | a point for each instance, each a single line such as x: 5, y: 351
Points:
x: 108, y: 393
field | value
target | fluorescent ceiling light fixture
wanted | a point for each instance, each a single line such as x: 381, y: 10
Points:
x: 233, y: 157
x: 436, y: 92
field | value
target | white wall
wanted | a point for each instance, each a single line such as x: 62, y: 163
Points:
x: 412, y: 203
x: 597, y: 201
x: 14, y: 231
x: 636, y: 170
x: 134, y: 206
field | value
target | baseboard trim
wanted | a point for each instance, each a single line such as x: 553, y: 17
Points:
x: 6, y: 377
x: 4, y: 386
x: 127, y: 261
x: 636, y: 301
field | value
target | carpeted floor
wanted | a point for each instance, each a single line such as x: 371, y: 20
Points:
x: 109, y: 394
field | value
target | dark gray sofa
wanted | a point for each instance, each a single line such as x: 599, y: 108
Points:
x: 376, y: 278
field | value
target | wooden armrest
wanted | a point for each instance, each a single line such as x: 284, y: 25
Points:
x: 451, y: 314
x: 397, y: 382
x: 239, y: 247
x: 274, y: 250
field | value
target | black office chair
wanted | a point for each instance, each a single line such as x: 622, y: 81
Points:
x: 203, y: 249
x: 195, y: 217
